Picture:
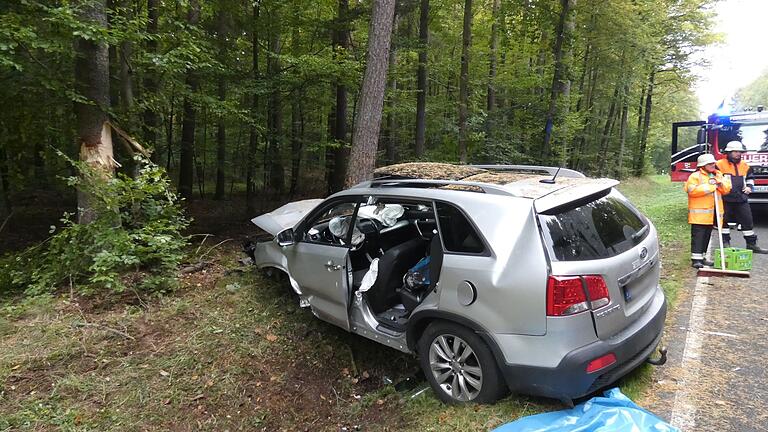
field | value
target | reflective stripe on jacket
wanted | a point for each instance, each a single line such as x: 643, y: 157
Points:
x: 738, y: 174
x: 700, y: 188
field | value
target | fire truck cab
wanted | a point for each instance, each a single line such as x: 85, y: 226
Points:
x: 697, y: 137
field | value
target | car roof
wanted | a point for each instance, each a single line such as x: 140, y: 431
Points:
x: 521, y: 181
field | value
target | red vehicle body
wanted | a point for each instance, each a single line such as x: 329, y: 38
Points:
x: 711, y: 136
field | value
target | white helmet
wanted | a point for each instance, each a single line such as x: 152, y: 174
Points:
x: 705, y: 159
x: 734, y: 146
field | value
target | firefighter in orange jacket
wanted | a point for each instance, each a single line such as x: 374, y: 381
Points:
x: 701, y: 187
x: 738, y: 213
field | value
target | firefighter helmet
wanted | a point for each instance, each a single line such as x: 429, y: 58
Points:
x: 734, y: 146
x: 705, y: 159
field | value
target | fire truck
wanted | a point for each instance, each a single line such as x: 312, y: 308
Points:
x: 712, y: 135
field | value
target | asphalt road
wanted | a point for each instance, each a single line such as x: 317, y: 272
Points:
x: 715, y: 378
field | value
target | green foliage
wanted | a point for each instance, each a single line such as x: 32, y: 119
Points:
x: 754, y: 94
x: 136, y: 238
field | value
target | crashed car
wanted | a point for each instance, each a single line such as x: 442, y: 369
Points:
x: 530, y: 279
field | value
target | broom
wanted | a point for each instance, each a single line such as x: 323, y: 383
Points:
x: 722, y: 271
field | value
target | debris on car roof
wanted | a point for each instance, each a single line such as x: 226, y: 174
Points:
x: 427, y: 171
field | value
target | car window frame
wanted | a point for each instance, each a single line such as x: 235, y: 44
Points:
x: 487, y: 250
x: 302, y: 228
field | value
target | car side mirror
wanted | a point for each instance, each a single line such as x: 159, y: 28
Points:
x: 701, y: 136
x: 285, y: 237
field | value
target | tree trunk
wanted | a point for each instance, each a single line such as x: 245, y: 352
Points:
x: 92, y: 82
x: 493, y: 52
x: 391, y: 119
x: 221, y: 132
x: 5, y: 195
x: 151, y: 120
x: 253, y: 139
x: 297, y: 136
x: 188, y: 124
x: 561, y: 81
x: 605, y: 137
x: 623, y: 131
x: 126, y: 76
x: 276, y: 174
x: 368, y: 121
x: 640, y: 160
x: 421, y: 78
x: 337, y: 158
x: 221, y: 145
x: 466, y: 42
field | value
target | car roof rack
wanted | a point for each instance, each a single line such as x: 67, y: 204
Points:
x: 488, y: 188
x: 535, y: 169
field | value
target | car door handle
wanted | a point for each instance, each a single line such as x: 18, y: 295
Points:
x: 330, y: 266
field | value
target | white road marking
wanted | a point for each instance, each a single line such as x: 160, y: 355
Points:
x: 684, y: 408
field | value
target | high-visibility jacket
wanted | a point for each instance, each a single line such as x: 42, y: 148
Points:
x: 740, y: 175
x: 700, y: 188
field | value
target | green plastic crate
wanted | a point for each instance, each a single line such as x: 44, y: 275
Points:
x: 735, y: 259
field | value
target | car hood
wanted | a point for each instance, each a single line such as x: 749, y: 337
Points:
x: 286, y: 216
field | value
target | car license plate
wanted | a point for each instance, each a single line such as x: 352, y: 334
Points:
x: 761, y: 188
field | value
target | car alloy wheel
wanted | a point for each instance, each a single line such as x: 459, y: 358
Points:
x: 455, y: 367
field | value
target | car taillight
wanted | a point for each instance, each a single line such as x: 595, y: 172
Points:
x: 566, y: 295
x: 598, y: 291
x: 601, y: 362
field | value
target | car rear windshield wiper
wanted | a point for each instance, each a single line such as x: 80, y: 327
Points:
x: 640, y: 233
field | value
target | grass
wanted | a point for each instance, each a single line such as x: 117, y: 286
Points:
x: 230, y: 350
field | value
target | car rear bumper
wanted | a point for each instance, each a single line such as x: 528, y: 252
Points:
x: 569, y: 379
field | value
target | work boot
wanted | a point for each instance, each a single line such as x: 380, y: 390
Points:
x: 756, y: 249
x: 708, y: 263
x: 697, y: 263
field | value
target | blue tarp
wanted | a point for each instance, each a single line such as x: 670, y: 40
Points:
x: 614, y: 412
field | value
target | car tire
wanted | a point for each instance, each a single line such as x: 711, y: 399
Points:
x: 459, y: 365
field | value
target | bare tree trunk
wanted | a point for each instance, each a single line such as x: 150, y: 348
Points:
x: 368, y: 121
x: 92, y: 82
x: 297, y: 137
x: 640, y: 159
x: 5, y: 195
x: 126, y: 75
x: 466, y: 42
x: 151, y: 120
x: 337, y: 159
x: 276, y: 174
x: 221, y: 132
x: 561, y: 81
x: 491, y: 100
x: 188, y: 124
x: 391, y: 119
x: 253, y: 140
x: 605, y: 137
x: 221, y: 145
x: 421, y: 78
x: 623, y: 130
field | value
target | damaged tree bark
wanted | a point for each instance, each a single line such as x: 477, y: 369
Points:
x: 94, y: 135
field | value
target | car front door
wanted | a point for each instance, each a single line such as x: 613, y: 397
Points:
x: 319, y: 260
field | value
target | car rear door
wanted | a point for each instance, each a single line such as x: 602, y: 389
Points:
x: 604, y: 235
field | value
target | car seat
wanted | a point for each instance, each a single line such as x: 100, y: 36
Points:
x: 392, y: 267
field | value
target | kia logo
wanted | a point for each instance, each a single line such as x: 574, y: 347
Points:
x: 643, y: 253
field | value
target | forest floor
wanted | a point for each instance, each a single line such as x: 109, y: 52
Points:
x: 231, y: 350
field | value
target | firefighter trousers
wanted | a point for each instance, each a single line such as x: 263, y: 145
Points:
x: 739, y: 216
x: 700, y: 235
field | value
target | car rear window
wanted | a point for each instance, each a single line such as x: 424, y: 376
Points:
x: 599, y: 228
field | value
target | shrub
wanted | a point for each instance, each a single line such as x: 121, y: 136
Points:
x: 137, y: 229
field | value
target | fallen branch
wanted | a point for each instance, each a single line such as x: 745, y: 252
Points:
x: 103, y: 327
x: 6, y: 221
x: 214, y: 247
x: 194, y: 268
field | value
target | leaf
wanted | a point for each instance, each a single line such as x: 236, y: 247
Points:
x: 271, y: 337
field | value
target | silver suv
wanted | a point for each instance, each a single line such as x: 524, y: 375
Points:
x: 499, y: 278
